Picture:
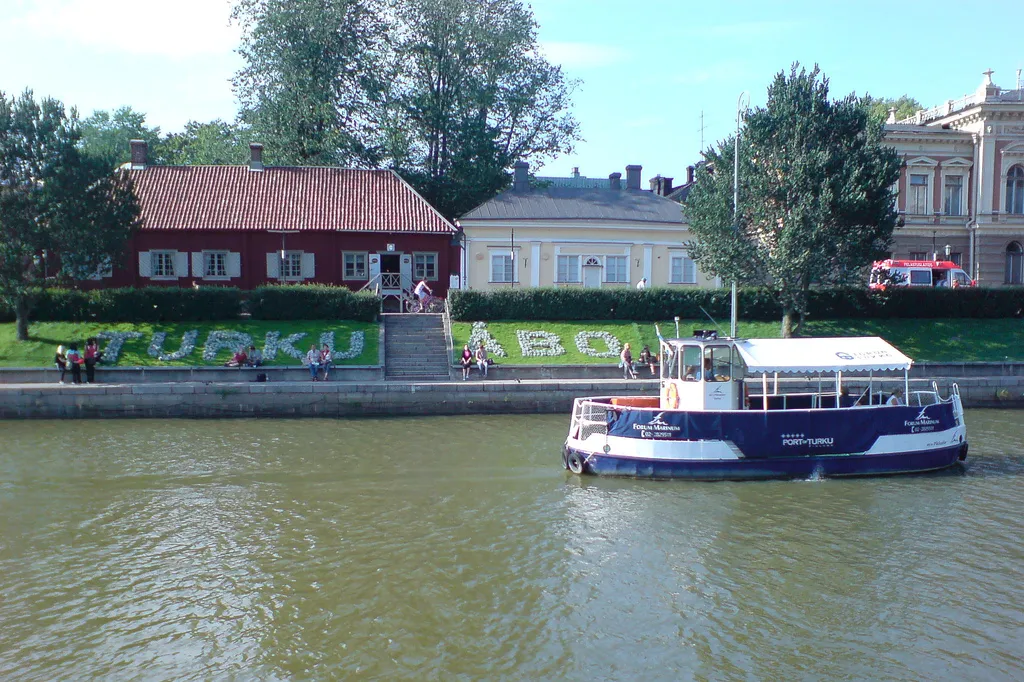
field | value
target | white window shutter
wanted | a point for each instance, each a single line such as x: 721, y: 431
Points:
x: 197, y: 264
x: 308, y: 269
x: 181, y: 263
x: 145, y: 264
x: 234, y: 264
x: 273, y: 265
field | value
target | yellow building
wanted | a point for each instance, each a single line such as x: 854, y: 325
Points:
x: 577, y: 236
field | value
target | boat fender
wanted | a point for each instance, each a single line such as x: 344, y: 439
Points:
x: 575, y: 462
x: 963, y: 452
x: 672, y: 397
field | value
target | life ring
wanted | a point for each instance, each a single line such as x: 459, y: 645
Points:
x: 575, y: 462
x: 672, y: 397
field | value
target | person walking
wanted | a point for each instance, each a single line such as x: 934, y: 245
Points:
x: 313, y: 360
x: 481, y: 360
x: 74, y: 363
x: 626, y: 361
x: 467, y: 361
x: 642, y: 284
x: 60, y: 361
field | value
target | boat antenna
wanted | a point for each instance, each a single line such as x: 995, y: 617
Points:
x: 713, y: 321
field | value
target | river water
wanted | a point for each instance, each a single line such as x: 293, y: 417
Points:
x: 457, y: 548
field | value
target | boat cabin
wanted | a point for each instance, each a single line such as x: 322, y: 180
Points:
x: 705, y: 372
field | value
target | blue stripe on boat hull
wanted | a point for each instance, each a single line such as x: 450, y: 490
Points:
x: 778, y: 468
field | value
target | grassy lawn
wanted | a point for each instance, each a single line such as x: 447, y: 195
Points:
x: 960, y: 340
x: 45, y: 336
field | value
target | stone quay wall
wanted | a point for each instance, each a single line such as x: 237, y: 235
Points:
x: 380, y: 398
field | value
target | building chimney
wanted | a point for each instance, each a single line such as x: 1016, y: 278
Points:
x: 661, y: 186
x: 615, y: 181
x: 666, y: 186
x: 256, y: 157
x: 521, y: 177
x: 576, y: 170
x: 633, y: 177
x: 689, y: 175
x: 139, y: 148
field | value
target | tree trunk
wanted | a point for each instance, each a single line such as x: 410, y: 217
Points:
x: 21, y: 315
x: 788, y: 317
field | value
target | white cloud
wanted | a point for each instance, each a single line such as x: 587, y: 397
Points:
x: 167, y: 28
x: 582, y: 55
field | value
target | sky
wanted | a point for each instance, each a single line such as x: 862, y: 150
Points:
x: 655, y: 80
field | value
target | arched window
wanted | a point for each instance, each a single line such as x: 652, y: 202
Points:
x: 1014, y: 263
x: 1015, y: 190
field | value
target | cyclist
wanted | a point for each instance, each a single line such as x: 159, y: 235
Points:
x: 423, y: 293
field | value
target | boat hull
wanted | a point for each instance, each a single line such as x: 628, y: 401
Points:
x: 828, y: 466
x: 610, y: 438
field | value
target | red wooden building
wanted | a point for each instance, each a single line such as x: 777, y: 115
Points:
x: 250, y: 225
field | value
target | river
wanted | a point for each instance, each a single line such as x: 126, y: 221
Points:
x: 451, y: 548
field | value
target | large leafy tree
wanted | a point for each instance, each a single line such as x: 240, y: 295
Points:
x: 474, y: 95
x: 878, y: 107
x: 63, y: 214
x: 449, y: 92
x: 213, y: 143
x: 816, y: 201
x: 314, y: 76
x: 106, y: 134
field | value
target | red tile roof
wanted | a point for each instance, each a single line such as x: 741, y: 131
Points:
x: 282, y: 198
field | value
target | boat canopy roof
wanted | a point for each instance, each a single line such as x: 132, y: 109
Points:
x: 837, y: 354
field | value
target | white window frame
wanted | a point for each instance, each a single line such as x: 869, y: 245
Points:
x: 946, y: 195
x: 358, y: 274
x: 623, y: 276
x: 915, y: 199
x: 1013, y: 187
x: 576, y: 270
x: 684, y: 258
x: 291, y: 266
x: 210, y: 258
x: 163, y: 258
x: 427, y: 256
x: 507, y: 258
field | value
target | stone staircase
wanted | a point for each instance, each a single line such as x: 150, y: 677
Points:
x: 415, y: 346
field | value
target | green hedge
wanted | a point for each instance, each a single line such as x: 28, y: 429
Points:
x: 312, y: 302
x: 150, y: 304
x: 754, y: 304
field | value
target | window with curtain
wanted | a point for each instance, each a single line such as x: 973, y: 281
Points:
x: 355, y: 265
x: 291, y: 265
x: 1015, y: 190
x: 163, y: 263
x: 682, y: 270
x: 568, y: 269
x: 954, y: 192
x: 917, y: 202
x: 424, y: 266
x: 215, y: 264
x: 1014, y: 263
x: 501, y: 267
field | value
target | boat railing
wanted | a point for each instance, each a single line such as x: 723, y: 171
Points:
x: 588, y: 418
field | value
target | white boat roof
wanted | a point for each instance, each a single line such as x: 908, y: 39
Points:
x: 835, y: 354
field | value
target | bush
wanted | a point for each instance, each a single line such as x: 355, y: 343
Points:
x: 755, y: 303
x: 150, y: 304
x: 312, y: 302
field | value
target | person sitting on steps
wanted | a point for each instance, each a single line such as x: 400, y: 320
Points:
x: 326, y: 360
x: 467, y: 361
x: 481, y: 359
x: 313, y: 361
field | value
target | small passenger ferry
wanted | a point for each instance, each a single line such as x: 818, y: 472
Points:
x: 709, y: 423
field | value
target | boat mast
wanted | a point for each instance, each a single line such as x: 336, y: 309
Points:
x: 741, y: 106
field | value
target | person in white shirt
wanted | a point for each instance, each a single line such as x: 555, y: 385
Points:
x: 313, y: 360
x: 642, y: 284
x: 423, y: 293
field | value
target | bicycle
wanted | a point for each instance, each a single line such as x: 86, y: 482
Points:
x: 431, y: 304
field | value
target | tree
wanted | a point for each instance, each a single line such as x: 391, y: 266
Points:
x: 106, y: 135
x: 55, y: 203
x: 213, y: 143
x: 474, y: 96
x: 313, y: 77
x: 451, y: 93
x: 815, y: 204
x: 878, y: 107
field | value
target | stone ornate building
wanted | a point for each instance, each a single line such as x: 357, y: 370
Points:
x: 961, y: 189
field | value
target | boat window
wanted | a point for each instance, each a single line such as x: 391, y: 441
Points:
x: 691, y: 363
x: 718, y: 363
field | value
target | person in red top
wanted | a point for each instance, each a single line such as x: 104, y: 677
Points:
x: 92, y: 357
x: 239, y: 359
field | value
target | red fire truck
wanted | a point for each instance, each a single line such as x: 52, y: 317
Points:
x: 918, y: 273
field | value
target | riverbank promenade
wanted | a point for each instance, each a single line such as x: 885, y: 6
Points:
x: 196, y: 399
